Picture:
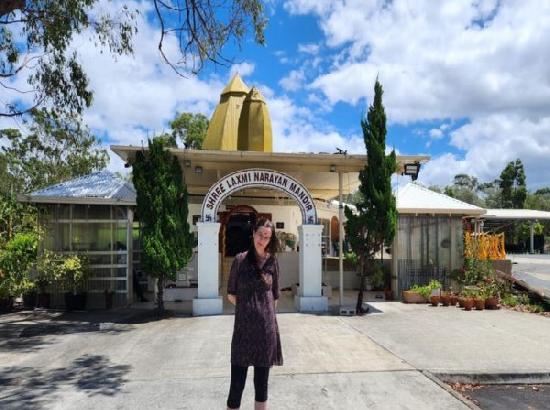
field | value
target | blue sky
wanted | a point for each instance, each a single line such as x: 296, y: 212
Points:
x: 466, y: 82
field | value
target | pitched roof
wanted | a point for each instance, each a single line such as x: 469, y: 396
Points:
x: 101, y: 187
x: 414, y: 198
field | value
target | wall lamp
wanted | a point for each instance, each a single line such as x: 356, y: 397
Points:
x: 332, y: 168
x: 411, y: 169
x: 198, y: 170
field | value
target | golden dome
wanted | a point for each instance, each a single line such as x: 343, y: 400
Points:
x: 240, y: 121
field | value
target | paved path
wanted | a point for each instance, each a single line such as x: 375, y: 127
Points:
x: 533, y: 269
x: 183, y: 363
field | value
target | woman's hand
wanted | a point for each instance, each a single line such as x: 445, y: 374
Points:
x: 276, y: 300
x: 232, y: 299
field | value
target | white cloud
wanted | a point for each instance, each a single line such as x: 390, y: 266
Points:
x: 483, y: 61
x: 433, y: 60
x: 308, y: 48
x: 294, y: 130
x: 489, y: 144
x: 435, y: 133
x: 244, y: 69
x: 293, y: 81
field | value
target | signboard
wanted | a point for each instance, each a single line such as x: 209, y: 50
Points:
x: 258, y: 178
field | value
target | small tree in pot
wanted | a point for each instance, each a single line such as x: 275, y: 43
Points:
x: 73, y: 273
x: 47, y: 270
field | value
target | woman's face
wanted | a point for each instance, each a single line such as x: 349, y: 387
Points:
x: 261, y: 238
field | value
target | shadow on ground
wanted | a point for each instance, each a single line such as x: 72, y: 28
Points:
x: 31, y: 388
x: 27, y: 332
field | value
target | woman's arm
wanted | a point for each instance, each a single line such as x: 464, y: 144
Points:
x: 232, y: 299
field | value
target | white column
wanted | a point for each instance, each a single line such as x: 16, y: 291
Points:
x: 532, y: 238
x: 129, y: 257
x: 208, y: 301
x: 309, y: 297
x: 340, y: 238
x: 394, y: 264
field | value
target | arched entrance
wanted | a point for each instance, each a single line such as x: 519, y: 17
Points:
x: 310, y: 273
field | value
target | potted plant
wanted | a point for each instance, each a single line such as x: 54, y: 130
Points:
x: 413, y: 295
x: 47, y: 270
x: 479, y: 300
x: 435, y: 299
x: 492, y: 291
x: 73, y: 275
x: 453, y: 299
x: 445, y: 299
x: 467, y: 299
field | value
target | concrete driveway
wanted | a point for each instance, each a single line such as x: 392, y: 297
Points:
x: 533, y: 269
x: 68, y: 362
x: 384, y: 360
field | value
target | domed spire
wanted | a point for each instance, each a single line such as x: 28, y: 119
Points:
x: 255, y: 124
x: 222, y: 133
x: 236, y: 85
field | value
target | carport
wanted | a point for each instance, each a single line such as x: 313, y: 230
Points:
x: 495, y: 218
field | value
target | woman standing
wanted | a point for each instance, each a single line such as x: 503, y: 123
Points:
x: 253, y: 288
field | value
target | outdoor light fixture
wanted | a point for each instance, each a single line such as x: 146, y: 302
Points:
x: 187, y: 163
x: 412, y: 170
x: 332, y: 168
x: 198, y: 169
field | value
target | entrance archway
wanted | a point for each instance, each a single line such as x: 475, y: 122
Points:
x: 309, y: 296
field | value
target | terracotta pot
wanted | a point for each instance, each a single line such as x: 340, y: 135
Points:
x: 491, y: 303
x: 434, y: 300
x: 445, y: 300
x: 453, y: 299
x: 410, y: 296
x: 468, y: 303
x: 479, y: 303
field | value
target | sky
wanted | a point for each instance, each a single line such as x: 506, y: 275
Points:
x: 465, y: 82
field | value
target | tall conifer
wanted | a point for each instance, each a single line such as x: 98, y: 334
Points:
x: 162, y: 211
x: 376, y: 217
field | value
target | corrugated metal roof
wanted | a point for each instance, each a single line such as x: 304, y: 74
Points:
x: 414, y: 198
x: 103, y: 185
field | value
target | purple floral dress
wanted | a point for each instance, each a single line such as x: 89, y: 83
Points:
x: 256, y: 340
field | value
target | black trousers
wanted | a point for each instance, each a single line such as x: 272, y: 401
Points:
x: 238, y: 380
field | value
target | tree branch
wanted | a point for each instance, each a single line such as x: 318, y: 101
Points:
x: 9, y: 6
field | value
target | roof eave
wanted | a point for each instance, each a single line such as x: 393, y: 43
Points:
x: 69, y: 200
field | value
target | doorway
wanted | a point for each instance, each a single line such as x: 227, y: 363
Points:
x: 238, y: 232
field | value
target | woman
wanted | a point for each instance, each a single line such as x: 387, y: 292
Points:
x: 253, y: 288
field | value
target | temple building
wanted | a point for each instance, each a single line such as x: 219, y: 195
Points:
x: 234, y: 180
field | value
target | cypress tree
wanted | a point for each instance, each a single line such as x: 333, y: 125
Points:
x: 162, y: 211
x: 375, y: 221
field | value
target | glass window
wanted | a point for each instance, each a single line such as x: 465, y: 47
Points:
x: 63, y: 211
x: 120, y: 285
x: 99, y: 212
x: 120, y: 237
x: 62, y: 237
x: 100, y: 272
x: 121, y: 272
x: 119, y: 212
x: 80, y: 211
